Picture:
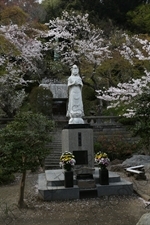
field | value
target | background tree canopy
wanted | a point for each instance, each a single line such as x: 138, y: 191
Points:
x: 116, y: 10
x: 87, y: 33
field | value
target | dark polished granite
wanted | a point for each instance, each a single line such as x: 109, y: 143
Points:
x: 77, y: 126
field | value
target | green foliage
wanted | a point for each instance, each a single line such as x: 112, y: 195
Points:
x: 139, y: 19
x: 58, y: 70
x: 24, y: 145
x: 5, y: 177
x: 11, y: 98
x: 112, y: 111
x: 127, y: 121
x: 89, y: 100
x: 52, y: 8
x: 41, y: 101
x: 23, y: 142
x: 117, y: 9
x: 13, y: 14
x: 97, y: 147
x: 88, y: 93
x: 116, y: 146
x: 38, y: 26
x: 114, y: 9
x: 7, y: 49
x: 142, y: 116
x: 117, y: 69
x: 117, y: 39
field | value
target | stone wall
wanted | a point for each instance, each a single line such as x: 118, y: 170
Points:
x: 107, y: 126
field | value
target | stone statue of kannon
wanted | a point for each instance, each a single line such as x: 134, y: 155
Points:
x: 75, y: 106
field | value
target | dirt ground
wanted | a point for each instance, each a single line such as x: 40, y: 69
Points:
x: 89, y: 210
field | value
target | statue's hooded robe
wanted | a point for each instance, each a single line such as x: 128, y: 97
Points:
x: 75, y: 105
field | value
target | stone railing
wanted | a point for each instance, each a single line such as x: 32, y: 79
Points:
x: 103, y: 121
x: 97, y: 122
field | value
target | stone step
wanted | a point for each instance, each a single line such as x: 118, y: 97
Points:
x: 53, y: 156
x: 55, y: 146
x: 52, y: 167
x: 56, y: 162
x: 50, y: 162
x: 56, y: 142
x: 51, y: 186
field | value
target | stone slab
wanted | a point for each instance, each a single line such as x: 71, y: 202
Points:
x: 51, y: 186
x: 56, y: 177
x: 144, y: 220
x: 49, y: 193
x: 119, y: 188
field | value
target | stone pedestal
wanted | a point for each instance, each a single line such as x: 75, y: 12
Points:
x: 103, y: 176
x: 68, y: 179
x: 51, y: 185
x: 78, y: 139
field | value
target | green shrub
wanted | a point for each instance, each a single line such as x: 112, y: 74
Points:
x: 128, y: 121
x: 5, y: 177
x: 117, y: 147
x: 97, y: 147
x: 41, y: 101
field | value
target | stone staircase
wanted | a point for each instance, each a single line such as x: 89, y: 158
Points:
x: 107, y: 130
x: 52, y: 160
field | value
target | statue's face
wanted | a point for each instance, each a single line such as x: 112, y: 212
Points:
x: 75, y: 70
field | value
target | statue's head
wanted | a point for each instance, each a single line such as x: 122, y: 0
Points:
x: 75, y: 70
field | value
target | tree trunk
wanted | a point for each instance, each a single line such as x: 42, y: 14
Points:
x: 21, y: 203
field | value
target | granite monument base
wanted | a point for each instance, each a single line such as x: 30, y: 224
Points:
x: 78, y: 139
x: 51, y: 186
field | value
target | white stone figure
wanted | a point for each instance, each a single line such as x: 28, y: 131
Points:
x: 75, y: 106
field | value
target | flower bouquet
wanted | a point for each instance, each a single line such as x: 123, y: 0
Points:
x: 102, y: 159
x: 67, y: 161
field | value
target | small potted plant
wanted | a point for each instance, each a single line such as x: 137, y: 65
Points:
x: 102, y: 160
x: 67, y: 161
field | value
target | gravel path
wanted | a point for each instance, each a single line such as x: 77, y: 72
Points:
x: 89, y: 211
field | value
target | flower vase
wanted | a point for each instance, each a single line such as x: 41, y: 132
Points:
x: 103, y: 176
x: 68, y: 179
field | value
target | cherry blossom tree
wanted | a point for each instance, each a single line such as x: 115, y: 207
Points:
x: 136, y: 50
x: 142, y: 116
x: 72, y: 39
x: 20, y: 55
x: 133, y: 99
x: 125, y: 94
x: 75, y: 40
